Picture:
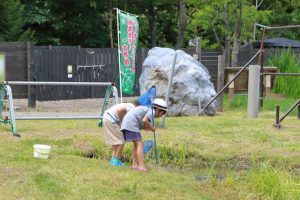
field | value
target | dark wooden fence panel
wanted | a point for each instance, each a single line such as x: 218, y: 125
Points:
x: 210, y: 60
x: 88, y: 65
x: 16, y: 65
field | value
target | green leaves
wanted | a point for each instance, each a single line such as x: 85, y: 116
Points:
x: 12, y: 25
x: 287, y: 62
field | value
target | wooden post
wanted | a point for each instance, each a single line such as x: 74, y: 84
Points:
x: 198, y: 47
x: 298, y: 111
x: 277, y: 123
x: 268, y: 85
x: 31, y: 90
x: 230, y: 88
x: 220, y: 82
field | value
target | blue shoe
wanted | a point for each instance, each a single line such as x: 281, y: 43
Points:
x: 147, y: 146
x: 116, y: 162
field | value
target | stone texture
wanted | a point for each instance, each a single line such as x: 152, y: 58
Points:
x: 191, y: 84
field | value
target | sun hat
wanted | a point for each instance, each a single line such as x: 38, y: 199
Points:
x: 160, y: 103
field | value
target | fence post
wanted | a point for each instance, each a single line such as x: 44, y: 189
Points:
x: 31, y: 92
x: 268, y: 85
x: 299, y: 111
x: 198, y: 47
x: 277, y: 123
x: 230, y: 88
x: 220, y: 81
x: 253, y: 91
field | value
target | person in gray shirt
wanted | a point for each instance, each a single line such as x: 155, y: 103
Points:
x: 134, y: 121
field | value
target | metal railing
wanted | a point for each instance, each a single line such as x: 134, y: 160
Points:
x: 225, y: 86
x: 280, y: 119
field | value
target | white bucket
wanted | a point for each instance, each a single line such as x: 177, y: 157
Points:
x: 41, y: 151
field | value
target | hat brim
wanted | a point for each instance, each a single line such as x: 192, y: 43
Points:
x: 160, y: 107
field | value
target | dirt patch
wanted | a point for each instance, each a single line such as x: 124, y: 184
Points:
x: 78, y: 107
x: 87, y: 150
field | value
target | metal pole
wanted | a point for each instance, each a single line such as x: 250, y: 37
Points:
x: 277, y: 123
x: 57, y: 83
x: 11, y: 110
x: 237, y: 74
x: 288, y: 112
x: 55, y: 117
x: 119, y: 55
x: 282, y: 27
x: 261, y: 63
x: 169, y: 87
x: 283, y: 74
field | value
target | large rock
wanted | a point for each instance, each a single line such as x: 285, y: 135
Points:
x: 191, y: 86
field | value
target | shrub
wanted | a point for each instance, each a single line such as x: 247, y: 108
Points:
x: 286, y: 62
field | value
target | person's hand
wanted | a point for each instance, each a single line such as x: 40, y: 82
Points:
x: 153, y: 129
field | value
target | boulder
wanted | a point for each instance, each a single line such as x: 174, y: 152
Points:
x: 191, y: 86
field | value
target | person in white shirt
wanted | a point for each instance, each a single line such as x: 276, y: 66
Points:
x: 112, y: 120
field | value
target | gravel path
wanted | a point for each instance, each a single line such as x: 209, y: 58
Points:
x: 63, y: 107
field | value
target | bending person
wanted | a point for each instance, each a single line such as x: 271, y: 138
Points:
x: 134, y: 121
x: 112, y: 120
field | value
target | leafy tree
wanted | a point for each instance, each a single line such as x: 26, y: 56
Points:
x: 68, y: 22
x: 12, y: 23
x: 283, y: 12
x: 222, y: 24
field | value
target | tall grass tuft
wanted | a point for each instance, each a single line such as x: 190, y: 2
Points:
x: 271, y: 183
x: 287, y: 62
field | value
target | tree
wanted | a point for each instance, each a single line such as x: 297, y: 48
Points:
x: 68, y: 22
x: 12, y: 24
x: 182, y: 22
x: 229, y: 21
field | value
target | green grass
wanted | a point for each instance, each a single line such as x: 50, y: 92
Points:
x: 286, y: 62
x: 253, y: 159
x: 240, y: 103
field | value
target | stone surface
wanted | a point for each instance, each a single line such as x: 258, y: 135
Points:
x: 191, y: 86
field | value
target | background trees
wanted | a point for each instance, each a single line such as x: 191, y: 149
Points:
x: 223, y: 24
x: 12, y: 23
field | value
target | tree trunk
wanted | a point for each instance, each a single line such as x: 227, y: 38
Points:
x: 227, y: 39
x: 152, y: 26
x: 237, y: 32
x: 182, y: 23
x: 110, y: 24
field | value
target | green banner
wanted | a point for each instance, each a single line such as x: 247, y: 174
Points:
x: 129, y: 30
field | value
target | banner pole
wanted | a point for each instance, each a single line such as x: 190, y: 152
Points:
x: 119, y: 52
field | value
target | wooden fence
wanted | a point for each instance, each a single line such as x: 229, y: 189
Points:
x: 25, y: 61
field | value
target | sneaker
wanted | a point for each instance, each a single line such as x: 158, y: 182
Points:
x: 116, y: 162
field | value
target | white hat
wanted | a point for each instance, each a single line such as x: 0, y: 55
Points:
x: 160, y: 103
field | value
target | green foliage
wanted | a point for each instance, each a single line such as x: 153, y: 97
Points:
x: 273, y: 183
x: 287, y: 62
x: 240, y: 102
x: 12, y: 23
x: 210, y: 15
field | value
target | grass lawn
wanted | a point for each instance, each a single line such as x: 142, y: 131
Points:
x: 223, y: 157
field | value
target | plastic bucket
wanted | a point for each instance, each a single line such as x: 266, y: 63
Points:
x: 41, y: 151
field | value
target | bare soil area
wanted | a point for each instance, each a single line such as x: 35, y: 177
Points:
x: 63, y: 107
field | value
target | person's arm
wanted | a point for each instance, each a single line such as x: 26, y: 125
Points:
x: 147, y: 124
x: 121, y: 113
